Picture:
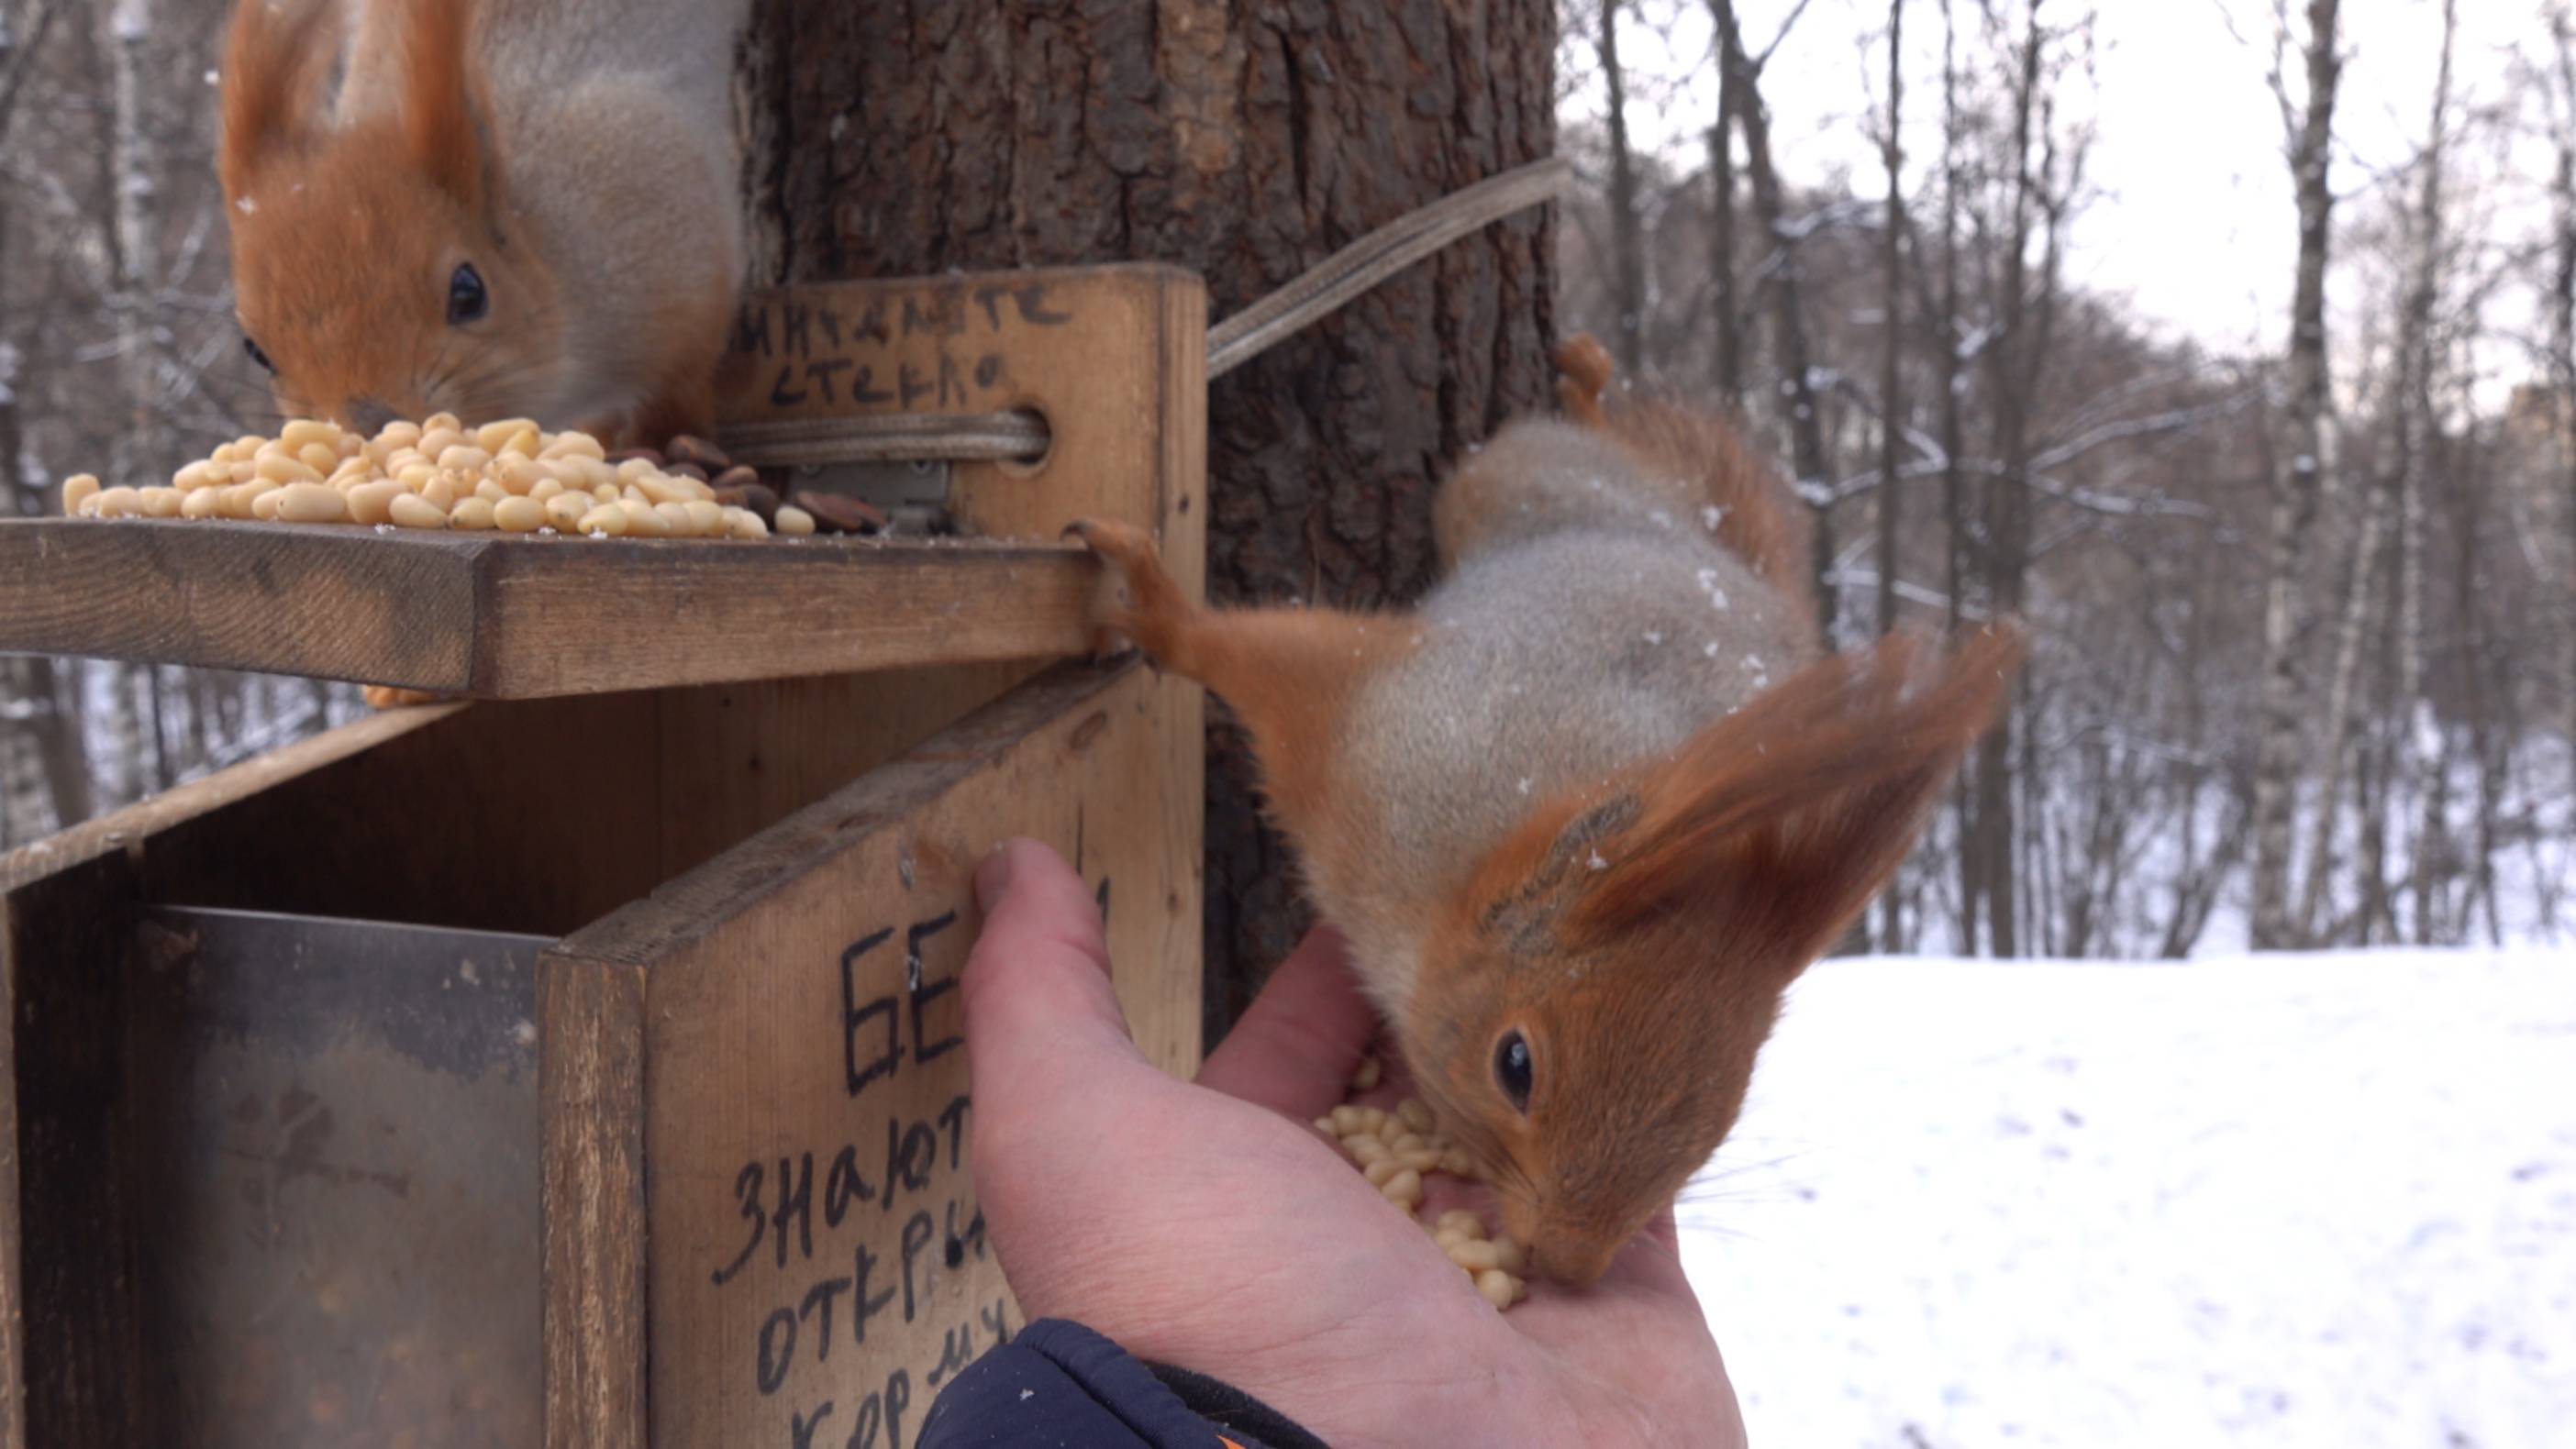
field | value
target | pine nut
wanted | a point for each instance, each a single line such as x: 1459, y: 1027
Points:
x: 519, y: 515
x: 302, y: 431
x: 310, y: 503
x: 410, y: 510
x: 285, y: 470
x: 372, y: 503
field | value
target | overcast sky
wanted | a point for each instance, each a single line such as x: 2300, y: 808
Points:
x: 2194, y: 219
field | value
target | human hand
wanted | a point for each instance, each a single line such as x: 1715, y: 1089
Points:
x: 1209, y: 1227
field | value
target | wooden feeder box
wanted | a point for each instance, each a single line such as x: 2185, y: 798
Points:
x: 580, y: 1066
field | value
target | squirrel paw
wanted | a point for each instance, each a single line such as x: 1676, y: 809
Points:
x: 385, y: 696
x: 1587, y: 371
x: 1155, y: 608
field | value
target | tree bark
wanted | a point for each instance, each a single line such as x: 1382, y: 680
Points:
x: 1245, y: 143
x: 1891, y: 373
x: 1627, y: 243
x: 2294, y: 500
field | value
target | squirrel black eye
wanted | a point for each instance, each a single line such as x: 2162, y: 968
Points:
x: 1512, y: 1069
x: 252, y: 348
x: 466, y: 299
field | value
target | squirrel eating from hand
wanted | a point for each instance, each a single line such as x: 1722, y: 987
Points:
x: 491, y: 208
x: 1586, y: 811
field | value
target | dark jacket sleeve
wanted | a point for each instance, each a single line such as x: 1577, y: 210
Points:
x: 1059, y: 1383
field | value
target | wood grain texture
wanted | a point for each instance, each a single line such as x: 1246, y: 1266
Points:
x: 805, y: 1109
x: 590, y: 1038
x: 504, y: 617
x: 234, y: 783
x: 70, y: 1295
x: 738, y: 758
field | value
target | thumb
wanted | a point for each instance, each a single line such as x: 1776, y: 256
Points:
x: 1036, y: 991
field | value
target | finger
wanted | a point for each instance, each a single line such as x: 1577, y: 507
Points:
x: 1036, y: 990
x: 1297, y: 1044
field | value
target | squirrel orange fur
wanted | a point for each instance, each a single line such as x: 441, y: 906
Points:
x: 1586, y: 811
x: 492, y: 208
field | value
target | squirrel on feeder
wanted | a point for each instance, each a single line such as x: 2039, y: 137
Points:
x: 1586, y: 811
x: 492, y: 208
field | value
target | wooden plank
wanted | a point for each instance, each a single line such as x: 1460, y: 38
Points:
x: 506, y: 617
x: 1114, y: 358
x: 738, y: 758
x: 590, y: 1034
x: 146, y: 818
x: 71, y: 1297
x: 803, y: 1101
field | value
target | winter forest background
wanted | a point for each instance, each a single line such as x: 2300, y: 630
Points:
x: 2229, y: 342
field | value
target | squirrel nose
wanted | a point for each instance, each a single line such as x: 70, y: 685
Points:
x: 368, y: 415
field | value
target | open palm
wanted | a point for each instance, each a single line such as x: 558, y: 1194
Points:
x: 1207, y: 1226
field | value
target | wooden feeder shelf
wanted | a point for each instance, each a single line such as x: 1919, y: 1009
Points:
x: 492, y: 616
x: 513, y: 1072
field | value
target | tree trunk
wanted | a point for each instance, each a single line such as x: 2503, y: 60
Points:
x: 2016, y: 357
x: 893, y: 139
x: 138, y: 451
x: 2338, y: 743
x: 1627, y: 245
x: 1954, y: 500
x: 1891, y: 372
x: 2562, y: 334
x: 2417, y: 757
x: 1788, y: 315
x: 2294, y: 500
x: 1725, y: 316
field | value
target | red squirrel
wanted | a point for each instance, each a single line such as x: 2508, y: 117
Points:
x: 492, y: 208
x: 1586, y: 811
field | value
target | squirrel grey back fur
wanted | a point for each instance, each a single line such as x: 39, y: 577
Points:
x: 1591, y: 619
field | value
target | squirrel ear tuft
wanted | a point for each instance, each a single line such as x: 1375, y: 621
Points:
x: 1800, y: 806
x: 274, y: 64
x: 440, y: 127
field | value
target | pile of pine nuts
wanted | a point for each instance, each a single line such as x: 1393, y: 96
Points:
x: 1395, y: 1151
x: 508, y: 476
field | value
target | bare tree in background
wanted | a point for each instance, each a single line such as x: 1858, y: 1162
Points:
x: 1627, y: 245
x: 44, y: 770
x: 134, y: 242
x: 1788, y: 311
x: 1891, y: 455
x: 2294, y: 498
x: 2416, y: 759
x: 2562, y: 324
x: 2016, y: 361
x: 1726, y: 320
x: 1950, y: 332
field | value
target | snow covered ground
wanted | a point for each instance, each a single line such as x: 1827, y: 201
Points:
x: 2288, y: 1201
